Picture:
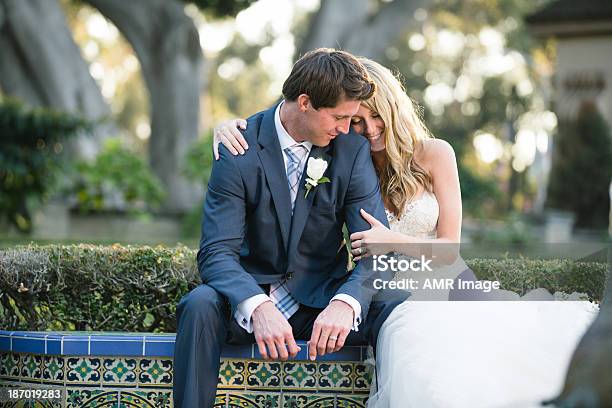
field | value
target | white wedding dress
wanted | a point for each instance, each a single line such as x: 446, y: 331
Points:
x: 472, y: 353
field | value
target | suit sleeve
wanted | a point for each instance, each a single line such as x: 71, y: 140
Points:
x: 363, y: 192
x: 223, y: 231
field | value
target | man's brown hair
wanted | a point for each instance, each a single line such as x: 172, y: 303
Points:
x: 327, y: 76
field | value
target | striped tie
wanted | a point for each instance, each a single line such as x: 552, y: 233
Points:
x: 279, y: 292
x: 295, y: 156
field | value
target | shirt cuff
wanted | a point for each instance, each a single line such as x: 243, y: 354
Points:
x: 354, y: 304
x: 244, y: 311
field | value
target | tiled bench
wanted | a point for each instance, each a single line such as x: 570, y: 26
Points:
x: 93, y: 369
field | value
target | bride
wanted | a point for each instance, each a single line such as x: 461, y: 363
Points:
x: 441, y: 353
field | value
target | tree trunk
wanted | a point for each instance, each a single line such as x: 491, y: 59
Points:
x: 333, y: 22
x: 362, y: 30
x: 42, y: 65
x: 167, y: 45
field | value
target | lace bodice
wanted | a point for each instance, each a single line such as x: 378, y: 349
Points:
x: 419, y: 218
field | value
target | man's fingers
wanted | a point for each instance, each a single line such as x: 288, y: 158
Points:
x: 272, y: 349
x: 279, y: 340
x: 341, y: 339
x: 262, y: 349
x: 332, y: 340
x: 241, y: 123
x: 293, y: 347
x: 314, y: 339
x: 283, y: 354
x: 322, y: 344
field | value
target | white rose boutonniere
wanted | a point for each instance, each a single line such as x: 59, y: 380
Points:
x: 315, y: 169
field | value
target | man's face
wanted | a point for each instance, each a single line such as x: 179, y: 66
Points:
x: 324, y: 124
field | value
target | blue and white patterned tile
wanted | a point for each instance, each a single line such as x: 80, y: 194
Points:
x: 155, y: 372
x: 53, y: 369
x: 351, y: 401
x: 9, y: 365
x: 31, y: 367
x: 335, y: 376
x: 221, y: 400
x: 254, y: 399
x: 299, y: 375
x: 91, y: 398
x: 363, y: 377
x: 119, y: 371
x: 83, y: 370
x: 232, y: 373
x: 145, y: 399
x: 263, y: 375
x: 306, y: 400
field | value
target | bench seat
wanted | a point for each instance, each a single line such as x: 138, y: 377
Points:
x: 104, y: 369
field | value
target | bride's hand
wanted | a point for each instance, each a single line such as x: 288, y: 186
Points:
x: 227, y: 133
x: 375, y: 241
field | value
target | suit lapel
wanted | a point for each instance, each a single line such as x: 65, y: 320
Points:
x: 303, y: 205
x: 273, y: 164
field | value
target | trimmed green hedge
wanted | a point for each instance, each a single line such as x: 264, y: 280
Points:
x: 86, y: 287
x: 136, y: 288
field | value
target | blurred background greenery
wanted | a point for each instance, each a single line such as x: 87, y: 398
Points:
x: 107, y: 106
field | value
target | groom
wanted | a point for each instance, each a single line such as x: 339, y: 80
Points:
x: 271, y: 258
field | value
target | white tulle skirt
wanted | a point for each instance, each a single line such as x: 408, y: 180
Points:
x: 476, y: 354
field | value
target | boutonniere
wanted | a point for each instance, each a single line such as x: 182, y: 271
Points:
x: 315, y: 169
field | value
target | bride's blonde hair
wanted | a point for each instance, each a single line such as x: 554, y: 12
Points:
x: 401, y: 176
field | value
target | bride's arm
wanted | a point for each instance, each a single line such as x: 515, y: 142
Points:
x: 438, y: 158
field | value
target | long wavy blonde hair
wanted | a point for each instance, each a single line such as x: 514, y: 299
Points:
x: 400, y: 176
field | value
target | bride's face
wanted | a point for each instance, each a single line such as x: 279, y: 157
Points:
x: 370, y: 124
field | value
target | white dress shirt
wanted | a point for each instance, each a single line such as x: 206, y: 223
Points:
x: 245, y: 309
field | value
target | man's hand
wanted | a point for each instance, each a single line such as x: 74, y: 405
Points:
x: 331, y: 329
x: 271, y: 329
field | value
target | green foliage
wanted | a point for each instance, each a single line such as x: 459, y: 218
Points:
x: 479, y: 194
x: 247, y: 90
x: 523, y: 274
x: 94, y: 287
x: 118, y: 179
x: 199, y: 160
x: 30, y: 146
x: 491, y: 105
x: 582, y: 168
x: 515, y: 231
x: 136, y: 288
x: 197, y: 168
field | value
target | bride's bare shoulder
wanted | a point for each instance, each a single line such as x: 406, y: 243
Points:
x: 431, y: 153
